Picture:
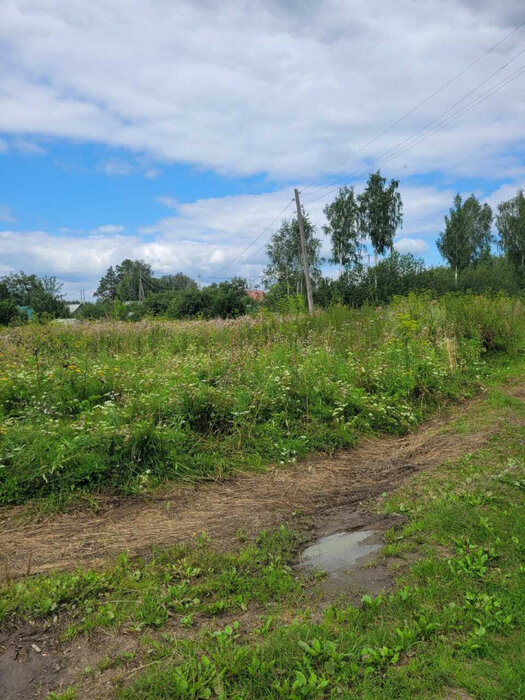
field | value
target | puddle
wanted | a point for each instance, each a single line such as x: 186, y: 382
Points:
x: 341, y: 551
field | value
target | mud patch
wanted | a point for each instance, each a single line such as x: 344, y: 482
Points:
x: 351, y: 539
x: 33, y: 662
x: 28, y: 665
x: 340, y: 552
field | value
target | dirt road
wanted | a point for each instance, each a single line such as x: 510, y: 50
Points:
x: 246, y: 502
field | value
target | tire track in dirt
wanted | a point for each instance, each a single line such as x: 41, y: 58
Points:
x: 248, y: 503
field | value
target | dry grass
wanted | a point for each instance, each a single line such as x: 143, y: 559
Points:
x: 245, y: 503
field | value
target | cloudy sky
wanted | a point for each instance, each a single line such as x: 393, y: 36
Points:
x: 175, y: 131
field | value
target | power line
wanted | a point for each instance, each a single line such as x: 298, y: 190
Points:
x: 256, y: 238
x: 385, y: 131
x: 437, y: 127
x: 427, y: 127
x: 416, y: 107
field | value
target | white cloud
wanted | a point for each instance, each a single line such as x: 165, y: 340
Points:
x: 28, y: 147
x: 416, y: 246
x: 6, y: 215
x: 169, y: 202
x: 210, y: 238
x: 264, y: 87
x: 107, y: 229
x: 117, y: 167
x: 151, y: 173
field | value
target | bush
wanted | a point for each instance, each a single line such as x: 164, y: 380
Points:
x: 129, y: 405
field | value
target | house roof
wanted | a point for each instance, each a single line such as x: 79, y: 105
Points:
x: 73, y: 307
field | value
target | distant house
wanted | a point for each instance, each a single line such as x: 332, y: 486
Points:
x: 256, y: 294
x: 27, y: 310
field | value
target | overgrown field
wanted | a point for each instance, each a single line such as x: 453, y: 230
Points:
x: 129, y: 406
x: 246, y: 624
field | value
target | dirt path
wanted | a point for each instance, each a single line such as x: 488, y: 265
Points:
x: 246, y: 502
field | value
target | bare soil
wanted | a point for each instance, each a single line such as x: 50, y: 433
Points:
x: 247, y: 503
x: 331, y: 493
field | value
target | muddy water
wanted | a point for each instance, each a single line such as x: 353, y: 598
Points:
x: 340, y: 552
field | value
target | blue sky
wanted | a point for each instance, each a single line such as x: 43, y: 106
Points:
x: 175, y: 132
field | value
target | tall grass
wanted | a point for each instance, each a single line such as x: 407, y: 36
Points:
x: 128, y: 406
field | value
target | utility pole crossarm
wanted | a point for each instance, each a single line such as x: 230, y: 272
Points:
x: 304, y: 252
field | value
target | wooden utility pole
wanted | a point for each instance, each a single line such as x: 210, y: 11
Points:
x: 305, y: 254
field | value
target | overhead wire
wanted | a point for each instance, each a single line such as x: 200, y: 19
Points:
x: 394, y: 151
x: 438, y: 123
x: 416, y: 107
x: 424, y: 128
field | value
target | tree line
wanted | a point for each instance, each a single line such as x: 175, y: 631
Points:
x: 373, y: 218
x: 355, y: 224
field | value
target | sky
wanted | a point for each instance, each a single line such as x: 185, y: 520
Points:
x: 175, y: 131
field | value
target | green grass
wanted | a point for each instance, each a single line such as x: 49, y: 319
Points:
x: 177, y: 584
x: 131, y: 406
x: 454, y: 620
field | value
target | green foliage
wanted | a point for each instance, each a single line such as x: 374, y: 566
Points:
x: 381, y: 212
x: 343, y: 229
x: 511, y: 226
x: 129, y: 281
x: 467, y: 237
x: 130, y: 406
x: 285, y: 265
x: 8, y: 311
x: 177, y: 583
x: 453, y: 619
x: 42, y: 294
x: 441, y: 626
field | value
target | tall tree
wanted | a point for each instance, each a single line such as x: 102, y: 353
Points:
x: 510, y: 222
x: 381, y: 212
x: 285, y: 265
x: 132, y: 276
x: 344, y: 230
x: 467, y: 237
x: 107, y: 286
x: 125, y: 281
x: 176, y: 282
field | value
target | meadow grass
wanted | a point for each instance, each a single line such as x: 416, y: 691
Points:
x: 178, y: 583
x: 129, y: 406
x: 454, y: 619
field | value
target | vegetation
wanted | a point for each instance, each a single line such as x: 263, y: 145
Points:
x: 181, y: 583
x: 467, y: 237
x: 452, y: 621
x: 41, y: 294
x: 130, y: 406
x: 381, y: 212
x: 511, y: 226
x: 131, y: 291
x: 285, y: 269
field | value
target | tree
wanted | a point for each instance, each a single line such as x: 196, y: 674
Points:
x: 42, y: 294
x: 467, y: 237
x: 510, y: 222
x: 133, y: 277
x: 344, y: 230
x: 126, y: 281
x: 176, y: 282
x: 285, y: 265
x: 107, y: 287
x: 381, y: 212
